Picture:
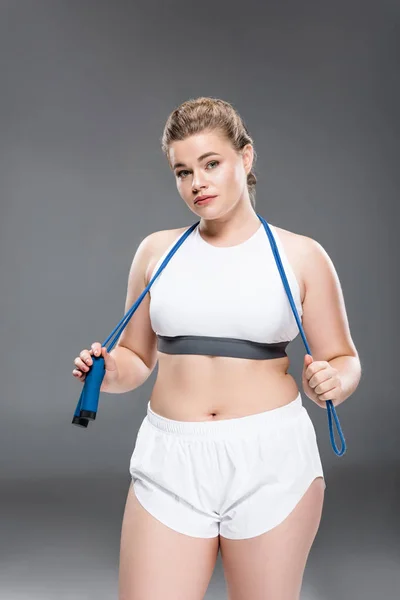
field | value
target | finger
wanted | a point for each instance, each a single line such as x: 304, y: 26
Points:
x: 314, y: 368
x: 85, y: 352
x: 329, y: 396
x: 325, y: 387
x: 109, y: 361
x: 82, y: 366
x: 78, y: 374
x: 309, y: 371
x: 86, y: 356
x: 308, y: 359
x: 105, y: 354
x: 96, y: 348
x: 323, y: 376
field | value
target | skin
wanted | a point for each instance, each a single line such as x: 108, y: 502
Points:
x: 156, y: 561
x: 222, y: 387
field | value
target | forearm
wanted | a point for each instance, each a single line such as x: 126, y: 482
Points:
x: 133, y: 372
x: 349, y: 368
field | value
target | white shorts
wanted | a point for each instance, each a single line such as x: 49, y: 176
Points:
x: 236, y: 477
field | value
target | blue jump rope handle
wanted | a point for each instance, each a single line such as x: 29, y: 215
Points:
x: 87, y: 406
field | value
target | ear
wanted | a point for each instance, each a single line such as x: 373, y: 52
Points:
x: 247, y: 157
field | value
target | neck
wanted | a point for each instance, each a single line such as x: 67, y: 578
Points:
x: 242, y: 221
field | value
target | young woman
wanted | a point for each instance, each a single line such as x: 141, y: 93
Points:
x: 227, y: 455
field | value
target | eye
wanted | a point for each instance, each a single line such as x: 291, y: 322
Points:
x: 213, y: 161
x: 179, y: 173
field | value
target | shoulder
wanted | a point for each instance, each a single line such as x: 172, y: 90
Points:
x: 296, y: 243
x: 156, y: 243
x: 305, y: 255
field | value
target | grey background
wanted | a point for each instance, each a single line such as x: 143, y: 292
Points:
x: 86, y: 88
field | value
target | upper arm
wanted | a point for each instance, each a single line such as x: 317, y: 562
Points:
x: 324, y: 317
x: 138, y: 335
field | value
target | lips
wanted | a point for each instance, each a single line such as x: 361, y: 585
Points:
x: 199, y: 198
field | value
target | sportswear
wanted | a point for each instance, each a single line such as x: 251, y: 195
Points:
x: 224, y: 301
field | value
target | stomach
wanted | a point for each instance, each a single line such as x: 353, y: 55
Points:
x: 202, y: 388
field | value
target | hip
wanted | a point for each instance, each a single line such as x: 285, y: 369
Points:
x: 275, y: 447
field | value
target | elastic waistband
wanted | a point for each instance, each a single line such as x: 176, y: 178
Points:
x: 220, y: 346
x: 258, y: 422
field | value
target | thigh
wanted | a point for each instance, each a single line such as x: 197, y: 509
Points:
x: 158, y: 562
x: 271, y: 566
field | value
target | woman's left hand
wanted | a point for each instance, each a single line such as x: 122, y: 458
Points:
x: 321, y: 381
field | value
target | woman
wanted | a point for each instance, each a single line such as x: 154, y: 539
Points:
x: 227, y: 455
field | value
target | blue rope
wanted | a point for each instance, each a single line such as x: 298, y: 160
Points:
x: 329, y: 404
x: 87, y: 406
x: 88, y: 402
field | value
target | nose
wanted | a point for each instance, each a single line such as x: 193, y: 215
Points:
x: 198, y: 182
x: 197, y: 185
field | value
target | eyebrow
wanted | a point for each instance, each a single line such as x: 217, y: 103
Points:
x: 179, y: 164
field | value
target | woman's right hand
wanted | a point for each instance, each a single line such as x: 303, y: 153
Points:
x: 84, y: 361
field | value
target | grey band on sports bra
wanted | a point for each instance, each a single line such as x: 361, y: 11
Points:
x: 220, y: 346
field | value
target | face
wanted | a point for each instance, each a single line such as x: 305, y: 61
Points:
x: 222, y: 173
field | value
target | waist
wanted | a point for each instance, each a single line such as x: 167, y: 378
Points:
x: 196, y: 388
x: 248, y: 424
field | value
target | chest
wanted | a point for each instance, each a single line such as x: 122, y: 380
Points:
x: 225, y: 275
x: 242, y: 297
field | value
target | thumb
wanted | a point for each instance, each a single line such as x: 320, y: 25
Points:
x: 308, y: 359
x: 109, y: 360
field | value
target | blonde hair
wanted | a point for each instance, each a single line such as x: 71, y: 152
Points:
x: 209, y: 114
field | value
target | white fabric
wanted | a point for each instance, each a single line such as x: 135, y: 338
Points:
x: 234, y: 477
x: 232, y: 291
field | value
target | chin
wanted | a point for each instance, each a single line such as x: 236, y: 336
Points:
x: 201, y: 212
x: 209, y: 214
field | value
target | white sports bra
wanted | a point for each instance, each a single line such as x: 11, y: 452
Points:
x: 224, y: 301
